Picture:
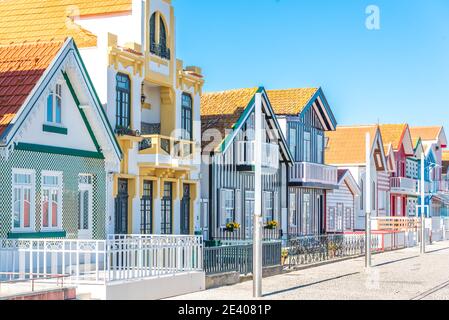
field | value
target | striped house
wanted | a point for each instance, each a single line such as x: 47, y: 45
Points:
x: 228, y: 121
x: 346, y: 149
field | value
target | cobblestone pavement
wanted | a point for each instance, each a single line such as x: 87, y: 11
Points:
x: 398, y: 275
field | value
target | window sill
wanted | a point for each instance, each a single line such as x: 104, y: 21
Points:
x: 36, y: 235
x: 54, y: 129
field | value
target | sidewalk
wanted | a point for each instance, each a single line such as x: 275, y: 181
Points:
x: 398, y: 275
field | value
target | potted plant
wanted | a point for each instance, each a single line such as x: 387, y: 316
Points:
x: 271, y: 225
x: 284, y: 256
x: 232, y: 226
x: 332, y: 249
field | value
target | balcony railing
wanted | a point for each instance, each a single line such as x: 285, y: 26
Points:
x: 157, y: 144
x: 160, y: 50
x: 306, y: 172
x: 246, y: 154
x: 396, y: 224
x: 400, y: 184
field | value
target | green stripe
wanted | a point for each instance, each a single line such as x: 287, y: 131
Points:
x: 53, y: 129
x: 83, y: 115
x: 37, y: 235
x: 58, y: 150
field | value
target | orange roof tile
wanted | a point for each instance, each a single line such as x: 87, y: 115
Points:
x: 31, y: 20
x: 346, y: 145
x: 21, y: 67
x: 392, y: 134
x: 290, y: 101
x: 425, y: 133
x: 221, y: 110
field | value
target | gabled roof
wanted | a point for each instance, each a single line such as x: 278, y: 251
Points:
x: 31, y: 20
x: 346, y: 145
x: 227, y: 111
x: 396, y: 135
x: 21, y: 67
x: 221, y: 110
x: 345, y: 176
x: 434, y: 133
x: 292, y: 102
x: 51, y: 59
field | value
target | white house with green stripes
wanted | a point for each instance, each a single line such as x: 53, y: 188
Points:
x: 58, y: 153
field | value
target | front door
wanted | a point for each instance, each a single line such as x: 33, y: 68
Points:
x: 121, y: 207
x: 166, y: 209
x: 146, y: 208
x: 85, y: 207
x: 249, y: 214
x: 185, y: 211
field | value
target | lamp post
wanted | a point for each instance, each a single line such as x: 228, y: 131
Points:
x: 257, y: 232
x: 368, y: 203
x: 423, y: 220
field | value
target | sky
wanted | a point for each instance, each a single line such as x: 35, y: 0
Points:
x: 395, y: 74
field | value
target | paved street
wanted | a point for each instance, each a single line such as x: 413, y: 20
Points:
x: 401, y: 275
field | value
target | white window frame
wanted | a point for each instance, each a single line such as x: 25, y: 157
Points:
x: 56, y: 94
x: 268, y: 206
x: 229, y: 210
x: 307, y: 146
x: 82, y: 187
x: 60, y: 190
x: 293, y: 211
x: 32, y: 227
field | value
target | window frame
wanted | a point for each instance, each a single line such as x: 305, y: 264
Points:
x: 229, y: 210
x: 56, y: 100
x: 184, y: 110
x: 119, y: 104
x: 307, y: 156
x: 32, y: 186
x: 268, y: 206
x: 59, y: 188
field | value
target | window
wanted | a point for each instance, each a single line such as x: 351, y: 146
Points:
x: 51, y: 200
x: 123, y: 101
x: 186, y: 117
x: 162, y: 35
x: 167, y: 209
x: 306, y: 146
x: 293, y: 217
x: 268, y: 206
x: 153, y: 32
x: 23, y: 200
x: 146, y: 208
x: 306, y: 215
x: 382, y: 200
x: 54, y: 106
x: 229, y: 205
x: 320, y: 149
x: 293, y: 141
x: 84, y: 202
x: 158, y: 46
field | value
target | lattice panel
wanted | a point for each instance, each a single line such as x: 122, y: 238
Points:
x: 71, y: 167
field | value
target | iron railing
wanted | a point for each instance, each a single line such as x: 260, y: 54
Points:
x: 239, y: 258
x: 314, y: 249
x: 160, y: 50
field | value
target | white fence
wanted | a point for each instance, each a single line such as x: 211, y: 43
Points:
x: 115, y: 259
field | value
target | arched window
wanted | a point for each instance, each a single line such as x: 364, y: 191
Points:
x: 153, y: 33
x: 54, y: 106
x: 123, y: 100
x: 159, y: 36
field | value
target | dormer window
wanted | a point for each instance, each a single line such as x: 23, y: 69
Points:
x: 54, y: 106
x: 158, y: 37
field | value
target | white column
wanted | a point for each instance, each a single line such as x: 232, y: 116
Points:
x: 257, y: 242
x: 423, y: 208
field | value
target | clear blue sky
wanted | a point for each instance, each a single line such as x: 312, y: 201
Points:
x: 399, y: 73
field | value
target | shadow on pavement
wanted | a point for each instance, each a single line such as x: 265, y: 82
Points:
x: 310, y: 284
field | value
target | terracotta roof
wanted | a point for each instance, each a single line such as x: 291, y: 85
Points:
x: 346, y: 145
x: 425, y: 133
x: 392, y: 134
x: 221, y: 110
x: 290, y: 101
x: 21, y: 67
x: 33, y: 20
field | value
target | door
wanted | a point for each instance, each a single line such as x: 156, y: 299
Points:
x: 249, y: 214
x: 167, y: 209
x: 85, y: 207
x: 321, y: 219
x: 146, y: 208
x: 340, y: 214
x: 121, y: 207
x: 185, y: 210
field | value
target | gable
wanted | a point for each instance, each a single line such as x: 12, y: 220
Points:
x: 84, y: 129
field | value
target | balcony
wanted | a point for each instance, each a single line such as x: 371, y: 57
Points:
x: 166, y: 146
x: 404, y: 185
x: 160, y: 51
x: 313, y: 175
x: 246, y: 156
